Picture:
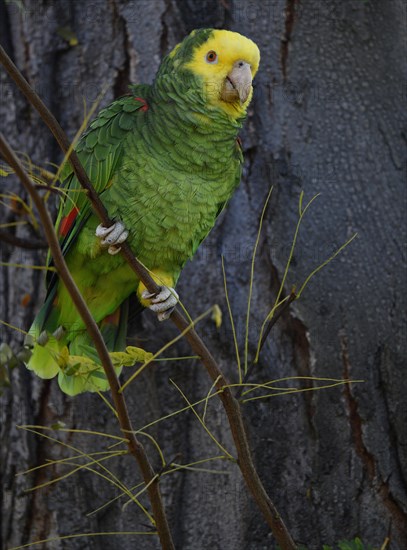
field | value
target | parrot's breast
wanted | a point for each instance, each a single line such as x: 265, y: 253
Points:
x: 170, y: 207
x: 174, y: 178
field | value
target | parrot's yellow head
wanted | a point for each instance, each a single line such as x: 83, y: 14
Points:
x: 224, y: 63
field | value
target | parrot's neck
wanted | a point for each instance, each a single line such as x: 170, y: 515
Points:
x: 199, y: 132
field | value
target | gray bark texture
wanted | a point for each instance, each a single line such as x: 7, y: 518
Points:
x: 328, y: 117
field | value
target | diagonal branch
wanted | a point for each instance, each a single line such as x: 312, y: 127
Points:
x: 135, y: 447
x: 230, y: 404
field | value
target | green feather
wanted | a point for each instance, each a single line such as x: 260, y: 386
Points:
x: 125, y: 121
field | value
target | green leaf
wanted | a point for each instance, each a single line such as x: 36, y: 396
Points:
x: 217, y: 316
x: 58, y: 425
x: 83, y: 381
x: 72, y: 369
x: 139, y: 354
x: 355, y: 544
x: 99, y: 374
x: 5, y: 353
x: 67, y: 34
x: 121, y: 359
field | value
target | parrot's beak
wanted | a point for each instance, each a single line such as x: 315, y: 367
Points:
x: 238, y: 83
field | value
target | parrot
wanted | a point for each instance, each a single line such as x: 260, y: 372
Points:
x: 165, y: 160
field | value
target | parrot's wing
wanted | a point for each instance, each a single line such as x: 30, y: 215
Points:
x: 99, y: 150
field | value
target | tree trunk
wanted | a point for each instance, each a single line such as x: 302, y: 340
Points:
x: 327, y: 117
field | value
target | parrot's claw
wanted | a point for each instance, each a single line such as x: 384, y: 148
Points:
x: 111, y: 237
x: 162, y: 303
x: 114, y: 249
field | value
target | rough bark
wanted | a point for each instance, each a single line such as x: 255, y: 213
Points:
x: 327, y: 117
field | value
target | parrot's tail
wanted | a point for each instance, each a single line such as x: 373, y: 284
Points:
x: 50, y: 343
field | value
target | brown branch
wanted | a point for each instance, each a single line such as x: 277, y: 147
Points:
x: 135, y: 447
x: 9, y: 238
x: 231, y: 405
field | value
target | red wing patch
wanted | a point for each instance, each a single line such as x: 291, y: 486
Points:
x: 144, y: 102
x: 67, y: 222
x: 113, y: 318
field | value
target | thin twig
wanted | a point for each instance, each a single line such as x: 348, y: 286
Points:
x: 135, y: 447
x: 270, y: 325
x: 44, y: 187
x: 169, y: 465
x: 244, y: 457
x: 273, y: 321
x: 231, y: 405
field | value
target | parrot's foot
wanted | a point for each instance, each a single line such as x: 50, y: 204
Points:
x: 162, y: 303
x: 112, y: 237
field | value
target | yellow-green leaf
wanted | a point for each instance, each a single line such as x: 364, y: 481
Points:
x: 139, y: 355
x: 63, y: 357
x: 86, y: 363
x: 67, y: 34
x: 217, y: 316
x: 120, y: 358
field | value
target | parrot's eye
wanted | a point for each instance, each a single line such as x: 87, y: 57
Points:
x: 211, y: 57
